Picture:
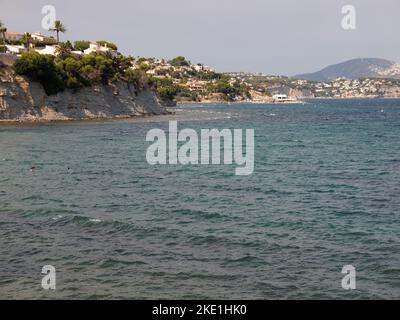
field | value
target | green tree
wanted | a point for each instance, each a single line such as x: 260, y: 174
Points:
x: 167, y: 90
x: 81, y: 45
x: 64, y: 50
x: 57, y: 28
x: 40, y: 68
x: 27, y: 40
x: 138, y: 78
x: 74, y: 76
x: 179, y: 62
x: 144, y: 66
x: 104, y: 66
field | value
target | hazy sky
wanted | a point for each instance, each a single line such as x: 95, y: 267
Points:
x: 270, y: 36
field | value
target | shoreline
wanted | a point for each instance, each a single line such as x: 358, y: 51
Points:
x: 236, y: 102
x: 302, y: 101
x: 71, y: 120
x: 171, y: 111
x: 172, y: 114
x: 353, y: 98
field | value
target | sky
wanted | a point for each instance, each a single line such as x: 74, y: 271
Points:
x: 280, y: 37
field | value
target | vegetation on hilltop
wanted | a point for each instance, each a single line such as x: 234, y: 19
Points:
x: 230, y: 89
x: 179, y: 62
x: 168, y: 90
x: 74, y: 72
x: 107, y: 44
x: 81, y: 45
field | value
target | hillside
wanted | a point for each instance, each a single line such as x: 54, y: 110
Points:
x: 356, y: 69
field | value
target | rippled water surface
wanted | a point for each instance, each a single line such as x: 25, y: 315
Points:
x: 325, y: 193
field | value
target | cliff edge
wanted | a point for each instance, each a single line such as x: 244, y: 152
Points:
x: 22, y: 100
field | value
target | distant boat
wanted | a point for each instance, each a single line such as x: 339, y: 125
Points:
x: 283, y: 98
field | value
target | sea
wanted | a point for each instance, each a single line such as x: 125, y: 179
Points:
x: 325, y: 194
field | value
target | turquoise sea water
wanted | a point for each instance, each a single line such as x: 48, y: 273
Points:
x: 324, y: 194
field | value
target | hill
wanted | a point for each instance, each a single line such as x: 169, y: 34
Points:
x: 356, y: 69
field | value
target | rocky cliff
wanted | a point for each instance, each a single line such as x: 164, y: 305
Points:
x: 24, y: 100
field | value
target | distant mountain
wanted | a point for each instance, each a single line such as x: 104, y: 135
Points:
x: 355, y: 69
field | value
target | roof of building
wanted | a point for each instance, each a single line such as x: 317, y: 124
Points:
x: 14, y: 33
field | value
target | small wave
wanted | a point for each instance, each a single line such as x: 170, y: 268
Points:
x: 392, y: 272
x: 206, y: 276
x: 44, y: 212
x: 247, y: 260
x: 112, y: 262
x: 199, y: 214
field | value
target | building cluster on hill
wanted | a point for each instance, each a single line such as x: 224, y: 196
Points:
x: 17, y: 43
x: 260, y: 84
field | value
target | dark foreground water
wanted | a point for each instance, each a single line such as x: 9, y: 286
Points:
x: 325, y: 193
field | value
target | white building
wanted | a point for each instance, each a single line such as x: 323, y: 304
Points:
x: 151, y: 72
x: 40, y: 37
x: 94, y: 47
x: 282, y: 98
x: 79, y: 53
x: 15, y: 49
x: 198, y: 67
x: 48, y: 50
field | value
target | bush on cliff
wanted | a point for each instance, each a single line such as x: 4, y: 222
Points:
x: 74, y: 72
x: 228, y: 88
x: 41, y: 68
x: 138, y: 78
x: 167, y: 90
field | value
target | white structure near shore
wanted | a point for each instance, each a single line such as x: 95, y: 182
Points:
x: 278, y: 98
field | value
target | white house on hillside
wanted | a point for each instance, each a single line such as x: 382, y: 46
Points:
x: 15, y: 49
x: 94, y: 47
x: 48, y: 50
x: 40, y: 37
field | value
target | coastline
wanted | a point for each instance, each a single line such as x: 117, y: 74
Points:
x: 300, y: 101
x: 237, y: 102
x: 170, y: 113
x: 352, y: 98
x: 92, y: 119
x: 176, y: 113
